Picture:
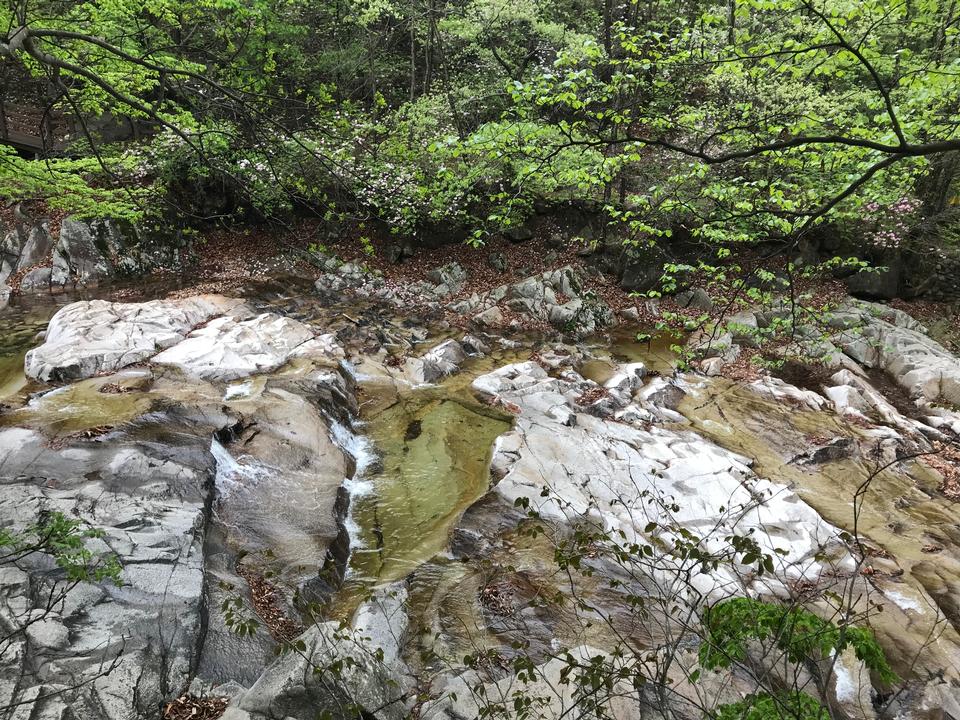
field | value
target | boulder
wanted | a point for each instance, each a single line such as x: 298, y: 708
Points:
x: 36, y: 280
x: 37, y: 247
x: 878, y: 284
x: 444, y: 359
x: 491, y: 317
x: 10, y: 249
x: 227, y: 348
x: 498, y: 261
x: 518, y: 233
x: 452, y: 277
x: 95, y: 336
x: 82, y: 255
x: 695, y: 299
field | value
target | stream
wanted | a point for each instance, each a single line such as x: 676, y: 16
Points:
x: 328, y: 477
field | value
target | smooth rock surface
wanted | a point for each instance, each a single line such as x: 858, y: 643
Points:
x: 621, y: 477
x: 227, y: 348
x: 95, y: 336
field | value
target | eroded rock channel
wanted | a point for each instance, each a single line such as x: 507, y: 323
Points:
x: 376, y: 500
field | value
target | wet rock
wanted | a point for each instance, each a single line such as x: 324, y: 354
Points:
x: 444, y: 359
x: 627, y: 380
x: 545, y: 450
x: 472, y: 345
x: 91, y: 337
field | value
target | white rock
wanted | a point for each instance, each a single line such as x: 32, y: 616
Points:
x: 628, y: 378
x: 608, y: 472
x: 227, y: 348
x: 95, y: 336
x: 49, y: 634
x: 893, y: 341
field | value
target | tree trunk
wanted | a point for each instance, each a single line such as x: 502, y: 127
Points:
x: 731, y: 22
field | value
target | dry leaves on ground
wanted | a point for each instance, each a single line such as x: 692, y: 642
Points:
x: 188, y: 707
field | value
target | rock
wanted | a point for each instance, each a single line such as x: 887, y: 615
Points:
x: 712, y: 366
x: 894, y: 342
x: 397, y: 252
x: 552, y: 463
x: 36, y: 280
x: 48, y: 634
x: 149, y: 627
x: 297, y: 684
x: 551, y: 683
x: 472, y: 345
x: 498, y: 261
x: 10, y: 249
x: 852, y: 688
x: 743, y: 328
x: 82, y: 254
x: 95, y: 336
x: 227, y: 348
x: 531, y: 288
x: 518, y: 233
x: 383, y: 622
x: 696, y: 299
x: 836, y: 449
x: 37, y: 247
x: 778, y: 390
x: 846, y: 397
x: 556, y: 240
x: 491, y: 317
x: 451, y: 276
x: 628, y: 379
x: 444, y: 359
x: 878, y: 284
x: 566, y: 315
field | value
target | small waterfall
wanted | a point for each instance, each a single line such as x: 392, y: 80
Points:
x: 232, y: 474
x: 361, y: 450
